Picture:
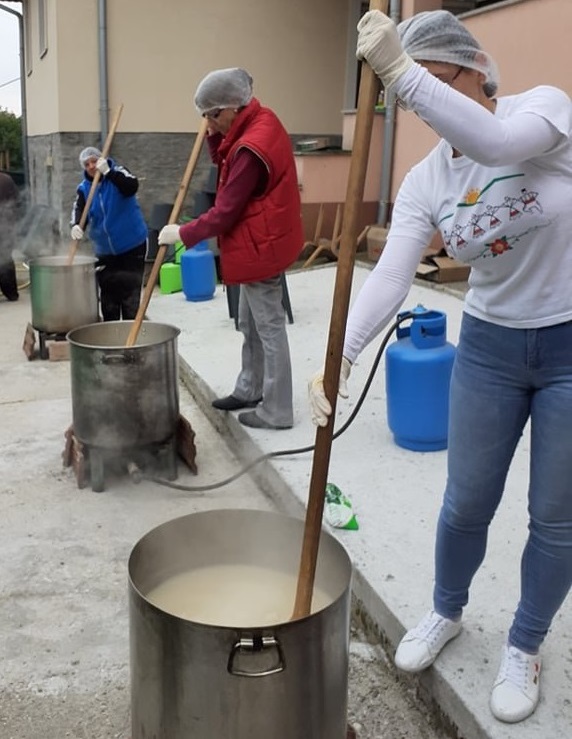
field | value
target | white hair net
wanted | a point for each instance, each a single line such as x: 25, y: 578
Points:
x: 439, y: 36
x: 224, y: 88
x: 88, y: 153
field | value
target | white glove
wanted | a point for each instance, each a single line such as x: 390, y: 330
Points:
x: 319, y: 404
x: 102, y: 165
x: 378, y: 43
x: 169, y: 234
x: 77, y: 233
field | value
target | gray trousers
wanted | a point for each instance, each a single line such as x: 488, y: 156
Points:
x: 266, y: 368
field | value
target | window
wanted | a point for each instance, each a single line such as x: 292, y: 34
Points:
x: 43, y: 27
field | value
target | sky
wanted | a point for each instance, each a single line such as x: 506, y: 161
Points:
x: 10, y: 60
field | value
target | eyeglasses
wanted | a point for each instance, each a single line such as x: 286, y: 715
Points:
x: 214, y: 113
x: 453, y: 78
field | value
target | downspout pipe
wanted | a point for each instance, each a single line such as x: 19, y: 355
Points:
x: 103, y: 77
x: 388, y: 138
x: 20, y: 18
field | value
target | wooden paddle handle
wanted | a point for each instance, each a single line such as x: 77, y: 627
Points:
x: 96, y: 178
x: 368, y: 91
x: 162, y: 250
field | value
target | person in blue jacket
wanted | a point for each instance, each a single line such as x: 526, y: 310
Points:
x: 118, y: 232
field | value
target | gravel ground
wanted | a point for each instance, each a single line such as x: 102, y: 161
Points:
x: 381, y: 706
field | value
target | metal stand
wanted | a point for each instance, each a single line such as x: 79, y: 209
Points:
x: 43, y: 337
x: 95, y: 463
x: 29, y: 343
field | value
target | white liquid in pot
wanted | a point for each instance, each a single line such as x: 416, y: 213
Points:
x: 232, y: 595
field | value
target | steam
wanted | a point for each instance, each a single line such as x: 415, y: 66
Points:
x: 37, y: 233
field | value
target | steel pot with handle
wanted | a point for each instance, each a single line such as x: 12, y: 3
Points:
x: 123, y: 398
x: 62, y: 295
x: 193, y: 680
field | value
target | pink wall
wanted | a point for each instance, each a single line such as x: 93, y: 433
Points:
x: 529, y: 40
x: 323, y: 178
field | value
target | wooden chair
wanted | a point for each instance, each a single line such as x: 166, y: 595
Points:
x: 330, y: 247
x: 318, y: 230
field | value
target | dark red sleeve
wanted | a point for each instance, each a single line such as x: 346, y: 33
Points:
x: 247, y: 176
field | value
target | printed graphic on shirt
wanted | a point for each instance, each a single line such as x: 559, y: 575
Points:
x: 491, y: 221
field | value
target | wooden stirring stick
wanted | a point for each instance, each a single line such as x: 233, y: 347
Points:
x: 162, y: 250
x: 368, y: 90
x: 96, y: 178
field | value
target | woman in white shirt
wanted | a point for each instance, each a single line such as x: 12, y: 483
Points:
x: 498, y: 186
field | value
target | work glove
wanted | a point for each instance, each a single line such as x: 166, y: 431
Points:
x: 102, y: 166
x: 319, y: 404
x: 378, y: 43
x: 169, y: 234
x: 77, y: 233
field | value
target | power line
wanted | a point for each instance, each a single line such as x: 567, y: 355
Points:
x: 16, y: 79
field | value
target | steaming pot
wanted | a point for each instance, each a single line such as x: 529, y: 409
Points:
x: 197, y: 681
x: 123, y: 398
x: 62, y: 295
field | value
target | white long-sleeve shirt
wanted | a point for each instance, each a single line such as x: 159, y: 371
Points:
x: 504, y: 207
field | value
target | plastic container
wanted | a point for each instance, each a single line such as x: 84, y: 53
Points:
x: 418, y: 369
x: 170, y: 280
x: 198, y: 273
x: 179, y: 251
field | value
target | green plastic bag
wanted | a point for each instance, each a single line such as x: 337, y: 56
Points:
x: 338, y: 509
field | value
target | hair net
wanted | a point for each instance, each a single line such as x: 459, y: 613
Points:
x: 438, y: 36
x: 224, y: 88
x: 88, y: 153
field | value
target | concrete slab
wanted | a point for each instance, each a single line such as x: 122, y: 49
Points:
x: 396, y: 495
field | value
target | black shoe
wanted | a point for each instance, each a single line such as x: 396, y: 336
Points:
x: 254, y: 421
x: 230, y: 403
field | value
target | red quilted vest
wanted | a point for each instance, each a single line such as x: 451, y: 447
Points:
x: 268, y: 237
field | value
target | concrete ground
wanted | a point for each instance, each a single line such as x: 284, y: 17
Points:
x: 396, y: 494
x: 64, y: 632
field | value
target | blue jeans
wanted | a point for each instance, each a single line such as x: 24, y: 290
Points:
x: 501, y: 378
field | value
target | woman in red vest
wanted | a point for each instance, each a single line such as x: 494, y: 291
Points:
x: 257, y: 219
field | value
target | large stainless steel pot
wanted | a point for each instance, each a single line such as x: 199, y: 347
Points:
x: 62, y: 295
x: 195, y: 681
x: 124, y: 398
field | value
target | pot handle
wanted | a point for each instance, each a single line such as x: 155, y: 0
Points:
x: 255, y: 645
x: 128, y: 358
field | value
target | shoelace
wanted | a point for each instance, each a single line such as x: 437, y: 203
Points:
x: 518, y: 669
x: 430, y: 628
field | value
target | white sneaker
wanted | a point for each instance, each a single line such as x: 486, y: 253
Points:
x: 517, y: 688
x: 420, y: 646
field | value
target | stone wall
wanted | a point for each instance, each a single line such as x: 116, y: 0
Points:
x: 158, y: 160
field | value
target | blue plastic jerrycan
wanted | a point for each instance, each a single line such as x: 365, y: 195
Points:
x: 198, y: 272
x: 418, y: 369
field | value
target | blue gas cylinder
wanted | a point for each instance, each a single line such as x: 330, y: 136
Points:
x: 198, y: 272
x: 417, y: 376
